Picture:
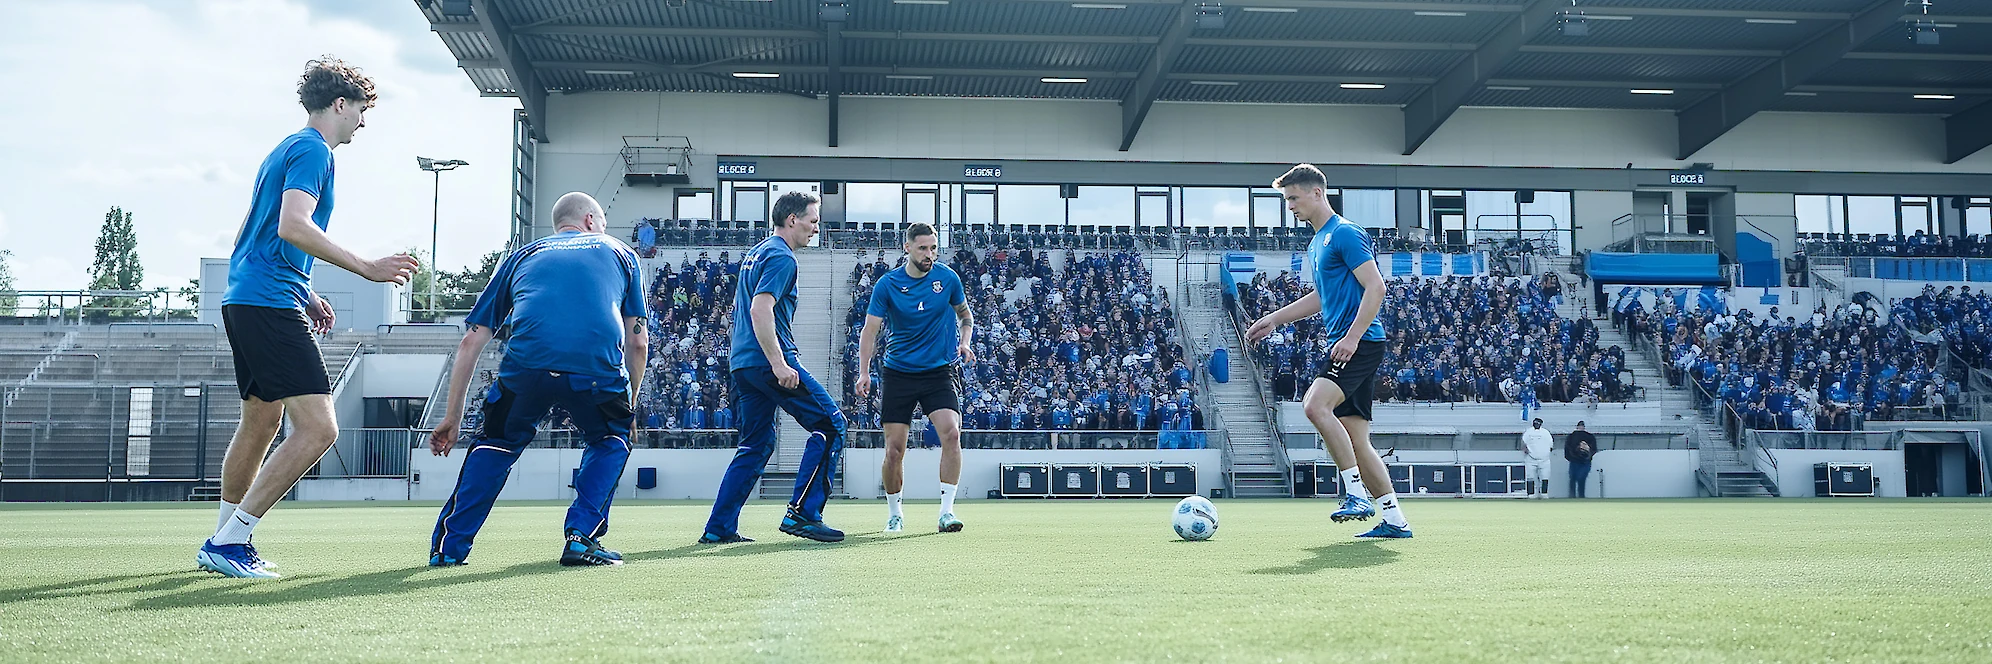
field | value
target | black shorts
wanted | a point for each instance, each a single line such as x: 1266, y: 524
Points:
x: 1357, y: 378
x: 933, y: 390
x: 275, y: 355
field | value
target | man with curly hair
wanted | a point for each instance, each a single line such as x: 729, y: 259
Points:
x: 271, y: 314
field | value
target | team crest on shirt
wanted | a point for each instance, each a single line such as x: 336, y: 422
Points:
x: 937, y: 287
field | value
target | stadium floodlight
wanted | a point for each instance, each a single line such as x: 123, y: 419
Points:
x: 1937, y: 97
x: 1571, y: 22
x: 1210, y: 15
x: 1923, y: 32
x: 436, y: 166
x: 1652, y: 91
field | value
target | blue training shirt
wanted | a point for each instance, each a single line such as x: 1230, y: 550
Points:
x: 264, y: 270
x: 767, y: 268
x: 1334, y: 254
x: 565, y: 297
x: 920, y: 312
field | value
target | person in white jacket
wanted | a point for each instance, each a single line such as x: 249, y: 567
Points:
x: 1536, y: 444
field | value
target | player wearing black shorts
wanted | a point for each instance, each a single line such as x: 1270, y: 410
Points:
x: 931, y: 325
x: 270, y: 313
x: 1348, y: 293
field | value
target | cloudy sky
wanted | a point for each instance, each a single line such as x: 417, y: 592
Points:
x: 166, y: 108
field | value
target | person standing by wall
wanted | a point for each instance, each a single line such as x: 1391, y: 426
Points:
x: 1578, y: 448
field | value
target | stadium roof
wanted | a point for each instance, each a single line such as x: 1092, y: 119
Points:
x: 1722, y: 60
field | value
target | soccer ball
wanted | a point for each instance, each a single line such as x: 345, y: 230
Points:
x: 1196, y: 519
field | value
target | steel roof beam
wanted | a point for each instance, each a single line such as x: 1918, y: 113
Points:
x: 1708, y: 119
x: 1141, y: 96
x: 525, y: 81
x: 1435, y: 104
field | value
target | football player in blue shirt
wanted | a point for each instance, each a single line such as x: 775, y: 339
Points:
x: 1348, y: 293
x: 572, y: 303
x: 923, y: 304
x: 767, y: 375
x: 270, y: 314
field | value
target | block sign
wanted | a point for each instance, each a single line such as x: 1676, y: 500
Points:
x: 982, y: 171
x: 736, y: 168
x: 1687, y: 178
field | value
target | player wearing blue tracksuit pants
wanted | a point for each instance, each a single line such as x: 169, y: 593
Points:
x: 573, y: 302
x: 767, y: 376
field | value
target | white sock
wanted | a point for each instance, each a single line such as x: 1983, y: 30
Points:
x: 1352, y: 483
x: 1392, y: 515
x: 227, y: 510
x: 892, y: 503
x: 238, y: 528
x: 947, y: 498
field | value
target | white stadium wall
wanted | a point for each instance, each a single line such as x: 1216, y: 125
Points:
x: 774, y: 125
x: 542, y: 474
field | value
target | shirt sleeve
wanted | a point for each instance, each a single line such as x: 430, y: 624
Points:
x: 775, y: 274
x: 494, y: 305
x: 1352, y: 246
x: 955, y: 294
x: 632, y: 301
x: 878, y: 306
x: 308, y: 167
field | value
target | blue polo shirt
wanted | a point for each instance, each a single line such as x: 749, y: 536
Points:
x: 264, y: 270
x: 767, y: 268
x: 1333, y: 256
x: 919, y: 312
x: 564, y: 297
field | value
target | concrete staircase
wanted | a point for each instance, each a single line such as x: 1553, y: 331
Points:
x: 816, y: 324
x: 1256, y: 466
x: 1724, y: 471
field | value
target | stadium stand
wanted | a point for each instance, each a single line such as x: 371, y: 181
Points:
x: 1831, y: 371
x: 1091, y: 346
x: 1454, y: 339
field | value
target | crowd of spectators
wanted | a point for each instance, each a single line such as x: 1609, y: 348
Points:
x: 691, y: 317
x: 1092, y: 346
x: 1830, y: 371
x: 1453, y: 339
x: 1918, y: 244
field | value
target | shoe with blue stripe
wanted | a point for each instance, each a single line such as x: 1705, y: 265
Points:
x: 794, y: 524
x: 712, y: 538
x: 440, y: 560
x: 895, y: 524
x: 950, y: 524
x: 1354, y: 508
x: 233, y: 560
x: 1386, y: 531
x: 582, y: 550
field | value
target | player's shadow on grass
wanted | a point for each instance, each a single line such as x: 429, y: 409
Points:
x: 312, y: 587
x: 162, y: 581
x: 1345, y: 555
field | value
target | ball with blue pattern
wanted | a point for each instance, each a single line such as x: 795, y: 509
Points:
x: 1195, y: 519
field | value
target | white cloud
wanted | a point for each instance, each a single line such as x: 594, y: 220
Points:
x: 177, y: 140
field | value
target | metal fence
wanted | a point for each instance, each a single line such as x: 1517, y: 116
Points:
x: 110, y: 434
x: 1826, y: 440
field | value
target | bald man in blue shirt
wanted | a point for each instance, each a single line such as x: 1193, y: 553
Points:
x: 573, y: 305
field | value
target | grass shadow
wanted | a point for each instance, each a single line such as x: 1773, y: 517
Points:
x: 163, y: 581
x: 1344, y: 555
x: 311, y: 587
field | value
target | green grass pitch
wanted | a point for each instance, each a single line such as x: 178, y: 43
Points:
x: 1092, y: 581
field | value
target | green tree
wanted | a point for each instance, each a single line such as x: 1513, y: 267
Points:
x: 189, y: 298
x: 116, y: 267
x: 461, y: 288
x: 9, y: 302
